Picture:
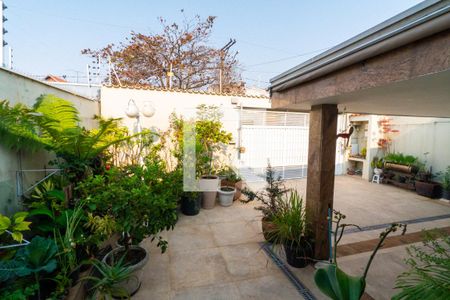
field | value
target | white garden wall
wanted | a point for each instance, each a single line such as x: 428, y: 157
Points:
x: 18, y: 88
x: 419, y: 136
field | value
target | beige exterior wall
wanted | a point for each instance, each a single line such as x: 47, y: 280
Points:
x: 114, y: 102
x: 426, y: 138
x: 418, y: 136
x: 21, y: 89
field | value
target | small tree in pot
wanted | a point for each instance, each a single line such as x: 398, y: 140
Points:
x: 142, y: 201
x: 270, y: 198
x: 211, y: 139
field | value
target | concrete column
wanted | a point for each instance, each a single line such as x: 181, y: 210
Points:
x: 320, y: 180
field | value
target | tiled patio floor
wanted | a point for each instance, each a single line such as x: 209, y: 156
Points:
x: 217, y: 255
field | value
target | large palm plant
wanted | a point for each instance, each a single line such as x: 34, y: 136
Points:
x: 429, y: 276
x: 53, y: 124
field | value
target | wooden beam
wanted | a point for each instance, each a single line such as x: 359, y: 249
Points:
x: 320, y: 180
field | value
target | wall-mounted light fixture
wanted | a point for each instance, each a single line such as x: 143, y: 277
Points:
x: 133, y: 111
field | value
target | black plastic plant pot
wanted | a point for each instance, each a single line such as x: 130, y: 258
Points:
x: 191, y: 203
x: 298, y: 256
x: 446, y: 194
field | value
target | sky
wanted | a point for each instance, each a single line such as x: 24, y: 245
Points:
x: 272, y: 36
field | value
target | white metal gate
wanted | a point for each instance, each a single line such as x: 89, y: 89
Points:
x: 278, y: 137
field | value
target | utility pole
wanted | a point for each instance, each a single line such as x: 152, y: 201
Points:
x: 109, y: 70
x: 223, y: 52
x: 170, y: 74
x: 3, y: 31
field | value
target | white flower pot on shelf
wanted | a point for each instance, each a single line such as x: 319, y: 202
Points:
x: 377, y: 171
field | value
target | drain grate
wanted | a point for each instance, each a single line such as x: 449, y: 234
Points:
x: 411, y: 221
x: 301, y: 288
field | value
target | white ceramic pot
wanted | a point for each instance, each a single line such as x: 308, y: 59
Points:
x: 377, y: 171
x: 132, y: 284
x: 226, y: 195
x: 208, y: 185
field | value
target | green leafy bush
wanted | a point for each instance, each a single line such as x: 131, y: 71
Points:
x: 53, y: 124
x: 210, y: 138
x: 142, y: 200
x: 30, y: 262
x: 402, y: 159
x: 16, y: 225
x: 445, y: 179
x: 429, y: 274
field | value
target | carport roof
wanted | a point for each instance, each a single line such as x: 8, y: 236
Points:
x: 415, y: 22
x: 399, y: 67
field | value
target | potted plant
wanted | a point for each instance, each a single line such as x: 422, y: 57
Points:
x: 191, y: 203
x: 445, y: 182
x: 143, y: 202
x: 110, y: 281
x: 425, y: 186
x: 231, y: 178
x: 226, y: 195
x: 208, y: 185
x: 211, y: 141
x: 377, y: 165
x: 402, y: 163
x: 290, y: 231
x: 270, y: 198
x: 332, y: 280
x: 30, y: 263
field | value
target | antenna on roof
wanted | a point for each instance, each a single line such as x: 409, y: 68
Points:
x: 111, y: 68
x: 223, y: 52
x: 3, y: 31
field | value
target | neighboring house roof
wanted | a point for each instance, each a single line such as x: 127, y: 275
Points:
x: 41, y: 82
x: 146, y: 87
x: 420, y: 21
x: 53, y: 78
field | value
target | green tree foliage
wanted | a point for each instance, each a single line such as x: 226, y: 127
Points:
x: 211, y: 139
x: 142, y: 200
x: 181, y: 49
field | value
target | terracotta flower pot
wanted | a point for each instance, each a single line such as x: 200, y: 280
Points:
x: 267, y: 228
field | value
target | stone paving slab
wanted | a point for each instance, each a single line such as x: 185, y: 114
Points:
x: 216, y: 254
